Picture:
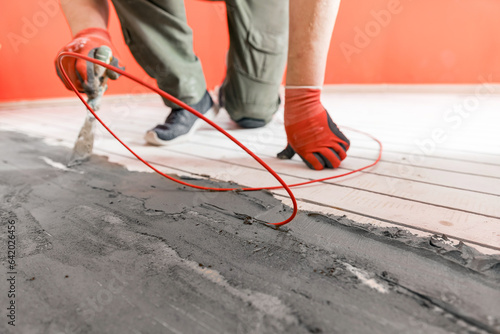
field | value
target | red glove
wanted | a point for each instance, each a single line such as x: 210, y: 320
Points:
x: 311, y: 132
x: 82, y: 73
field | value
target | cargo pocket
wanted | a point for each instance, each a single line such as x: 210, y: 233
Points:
x: 267, y: 55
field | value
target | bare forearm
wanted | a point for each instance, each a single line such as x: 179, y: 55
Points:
x: 82, y: 14
x: 311, y: 27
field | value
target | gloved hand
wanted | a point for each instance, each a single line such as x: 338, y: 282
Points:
x: 87, y: 78
x: 311, y: 132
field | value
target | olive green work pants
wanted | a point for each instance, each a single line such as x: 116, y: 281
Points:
x: 159, y: 38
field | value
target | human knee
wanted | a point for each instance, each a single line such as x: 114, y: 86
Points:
x: 245, y: 98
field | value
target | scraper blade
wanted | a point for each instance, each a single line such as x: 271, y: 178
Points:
x: 85, y: 141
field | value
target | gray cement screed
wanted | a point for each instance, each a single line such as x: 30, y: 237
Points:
x: 104, y: 250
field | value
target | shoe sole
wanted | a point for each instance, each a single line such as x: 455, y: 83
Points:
x: 251, y: 123
x: 152, y: 138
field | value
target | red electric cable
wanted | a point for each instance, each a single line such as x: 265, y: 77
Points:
x: 198, y: 114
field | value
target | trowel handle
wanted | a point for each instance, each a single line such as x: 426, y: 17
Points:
x: 104, y: 54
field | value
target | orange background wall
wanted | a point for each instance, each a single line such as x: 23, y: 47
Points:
x: 424, y: 41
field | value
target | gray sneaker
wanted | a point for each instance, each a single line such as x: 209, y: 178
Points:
x: 181, y: 124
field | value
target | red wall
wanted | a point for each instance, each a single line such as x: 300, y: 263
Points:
x: 426, y: 41
x: 375, y: 41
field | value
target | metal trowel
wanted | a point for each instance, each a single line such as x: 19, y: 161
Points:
x: 85, y: 141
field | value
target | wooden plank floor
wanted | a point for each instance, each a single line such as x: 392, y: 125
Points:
x: 440, y: 170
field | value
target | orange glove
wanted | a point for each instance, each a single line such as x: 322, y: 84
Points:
x: 310, y: 130
x: 82, y: 73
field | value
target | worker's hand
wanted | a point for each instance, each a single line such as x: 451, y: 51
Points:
x: 311, y: 132
x: 87, y: 78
